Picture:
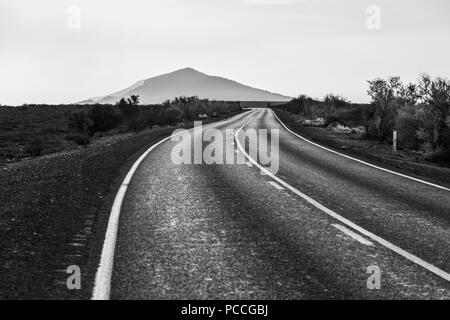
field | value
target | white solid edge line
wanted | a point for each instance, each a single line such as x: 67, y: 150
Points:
x: 358, y: 160
x: 352, y: 234
x: 428, y: 266
x: 102, y: 286
x: 104, y: 272
x: 276, y: 185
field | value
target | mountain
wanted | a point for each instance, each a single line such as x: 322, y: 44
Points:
x: 189, y: 82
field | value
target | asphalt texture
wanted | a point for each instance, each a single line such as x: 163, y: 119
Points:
x: 225, y: 231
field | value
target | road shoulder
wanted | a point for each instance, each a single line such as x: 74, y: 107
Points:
x: 429, y: 172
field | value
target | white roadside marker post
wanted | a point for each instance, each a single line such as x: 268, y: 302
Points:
x: 394, y: 142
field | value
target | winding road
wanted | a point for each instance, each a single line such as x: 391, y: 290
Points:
x: 317, y: 229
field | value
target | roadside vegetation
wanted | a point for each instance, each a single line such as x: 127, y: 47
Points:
x: 35, y: 130
x: 419, y: 112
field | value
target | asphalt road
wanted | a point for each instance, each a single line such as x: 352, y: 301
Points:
x: 229, y: 232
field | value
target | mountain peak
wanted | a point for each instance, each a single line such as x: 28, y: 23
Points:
x: 187, y: 70
x: 190, y: 82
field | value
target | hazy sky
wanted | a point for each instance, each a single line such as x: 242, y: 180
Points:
x: 286, y: 46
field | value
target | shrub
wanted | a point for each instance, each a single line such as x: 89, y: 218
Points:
x: 34, y: 147
x: 386, y: 101
x: 429, y: 121
x: 99, y: 118
x: 131, y: 112
x: 332, y: 103
x: 150, y: 117
x: 408, y: 126
x: 173, y: 115
x: 442, y: 157
x: 300, y: 104
x: 140, y: 122
x: 446, y: 139
x: 334, y: 120
x: 79, y: 121
x: 80, y: 139
x: 436, y: 93
x: 102, y: 118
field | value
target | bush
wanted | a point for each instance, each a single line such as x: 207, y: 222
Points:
x: 386, y: 101
x: 300, y: 105
x: 336, y: 101
x: 442, y: 157
x: 429, y: 120
x: 102, y: 118
x: 79, y: 121
x: 436, y: 94
x: 332, y: 104
x: 79, y: 138
x: 408, y: 127
x: 334, y: 120
x: 446, y: 139
x: 141, y: 122
x: 34, y: 147
x: 371, y: 128
x: 130, y: 111
x: 99, y: 118
x: 173, y: 115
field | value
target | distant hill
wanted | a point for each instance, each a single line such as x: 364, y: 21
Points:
x: 189, y: 82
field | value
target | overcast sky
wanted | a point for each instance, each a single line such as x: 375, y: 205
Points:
x: 286, y: 46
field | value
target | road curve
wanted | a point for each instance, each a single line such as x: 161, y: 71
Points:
x: 228, y: 232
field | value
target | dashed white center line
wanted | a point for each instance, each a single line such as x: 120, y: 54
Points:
x: 352, y: 234
x: 276, y: 185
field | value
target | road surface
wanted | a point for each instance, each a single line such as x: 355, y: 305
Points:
x: 229, y: 232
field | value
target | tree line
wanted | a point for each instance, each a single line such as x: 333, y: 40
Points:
x: 130, y: 115
x: 419, y: 112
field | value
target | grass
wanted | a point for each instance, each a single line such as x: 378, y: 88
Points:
x: 20, y: 126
